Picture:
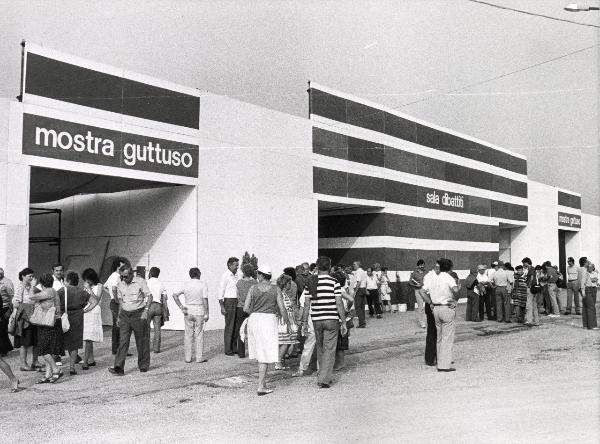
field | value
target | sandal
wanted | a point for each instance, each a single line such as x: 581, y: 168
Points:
x: 92, y: 364
x: 27, y: 369
x: 43, y: 381
x: 264, y: 392
x: 55, y: 377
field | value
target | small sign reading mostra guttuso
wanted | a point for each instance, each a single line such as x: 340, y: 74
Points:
x: 60, y: 139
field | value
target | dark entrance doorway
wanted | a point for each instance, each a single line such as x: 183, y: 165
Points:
x: 562, y: 255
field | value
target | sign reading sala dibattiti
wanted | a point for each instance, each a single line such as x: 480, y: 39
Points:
x: 60, y: 139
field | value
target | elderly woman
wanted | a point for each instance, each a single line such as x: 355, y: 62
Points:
x: 288, y: 332
x: 263, y: 302
x: 26, y: 333
x: 47, y: 299
x: 74, y: 299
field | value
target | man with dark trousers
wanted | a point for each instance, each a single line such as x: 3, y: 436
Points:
x: 135, y: 299
x: 360, y: 293
x: 228, y: 300
x: 431, y: 339
x: 111, y: 285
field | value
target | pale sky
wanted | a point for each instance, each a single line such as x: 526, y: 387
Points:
x: 391, y: 52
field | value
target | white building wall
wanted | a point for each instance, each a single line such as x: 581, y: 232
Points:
x: 589, y: 238
x: 539, y: 239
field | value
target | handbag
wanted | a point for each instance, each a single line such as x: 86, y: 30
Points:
x: 41, y: 317
x: 64, y: 319
x: 12, y: 323
x: 536, y: 287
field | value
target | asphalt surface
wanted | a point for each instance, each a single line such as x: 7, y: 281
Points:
x: 512, y: 384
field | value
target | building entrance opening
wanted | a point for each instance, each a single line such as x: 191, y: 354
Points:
x: 84, y: 220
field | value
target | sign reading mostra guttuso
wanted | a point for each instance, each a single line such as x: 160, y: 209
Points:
x: 60, y: 139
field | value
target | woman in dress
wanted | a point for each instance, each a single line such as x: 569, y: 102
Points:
x: 263, y: 302
x: 288, y: 332
x: 385, y: 290
x: 5, y: 347
x: 92, y: 319
x: 26, y: 334
x: 77, y: 299
x: 46, y: 335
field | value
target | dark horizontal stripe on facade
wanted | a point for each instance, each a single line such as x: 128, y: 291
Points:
x: 347, y: 111
x: 569, y: 200
x: 47, y: 77
x: 397, y: 225
x: 344, y: 147
x: 405, y: 259
x: 341, y: 183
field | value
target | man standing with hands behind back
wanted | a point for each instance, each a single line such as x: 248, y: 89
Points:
x: 134, y: 298
x: 228, y: 301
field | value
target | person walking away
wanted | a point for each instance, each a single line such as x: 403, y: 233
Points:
x: 552, y: 288
x: 416, y: 283
x: 520, y: 294
x: 442, y: 292
x: 111, y: 285
x: 7, y: 292
x: 385, y: 290
x: 288, y: 332
x: 373, y: 294
x: 73, y: 301
x: 431, y: 338
x: 572, y: 289
x: 263, y: 302
x: 228, y: 301
x: 532, y: 316
x: 25, y: 336
x: 134, y: 298
x: 92, y: 317
x: 243, y: 287
x: 195, y: 313
x: 327, y: 311
x: 158, y: 313
x: 589, y: 286
x: 360, y: 293
x: 5, y: 347
x: 472, y: 313
x: 503, y: 281
x: 47, y: 299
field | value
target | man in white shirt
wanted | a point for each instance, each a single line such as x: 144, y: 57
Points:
x: 360, y: 293
x: 442, y: 292
x: 158, y: 311
x: 503, y: 281
x: 111, y: 285
x: 228, y: 300
x: 195, y: 313
x: 58, y: 273
x: 491, y: 291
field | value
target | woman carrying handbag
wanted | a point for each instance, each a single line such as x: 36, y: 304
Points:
x: 45, y: 313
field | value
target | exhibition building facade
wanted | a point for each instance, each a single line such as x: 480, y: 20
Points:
x: 101, y: 162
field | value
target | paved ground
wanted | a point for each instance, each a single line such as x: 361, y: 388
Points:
x: 513, y: 384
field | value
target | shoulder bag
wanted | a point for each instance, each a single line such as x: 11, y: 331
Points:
x: 42, y: 317
x: 64, y: 319
x: 535, y: 286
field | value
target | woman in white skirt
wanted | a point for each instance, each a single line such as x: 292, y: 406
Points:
x: 263, y: 303
x: 92, y: 320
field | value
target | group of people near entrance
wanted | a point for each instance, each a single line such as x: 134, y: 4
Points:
x: 307, y: 311
x: 521, y: 294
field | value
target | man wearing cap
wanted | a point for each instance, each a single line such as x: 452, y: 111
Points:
x: 503, y: 281
x: 483, y: 288
x: 492, y: 291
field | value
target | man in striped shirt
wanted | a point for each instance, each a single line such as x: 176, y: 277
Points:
x: 326, y: 310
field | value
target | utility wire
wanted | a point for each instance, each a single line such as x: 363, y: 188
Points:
x: 501, y: 76
x: 535, y: 14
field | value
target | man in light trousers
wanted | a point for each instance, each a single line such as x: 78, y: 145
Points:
x: 195, y: 313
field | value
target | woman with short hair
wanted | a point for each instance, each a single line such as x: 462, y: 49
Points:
x: 26, y: 333
x: 263, y: 302
x: 76, y: 301
x: 46, y: 334
x: 92, y: 317
x: 288, y: 332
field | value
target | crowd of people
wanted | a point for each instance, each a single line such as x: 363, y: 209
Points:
x: 306, y: 312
